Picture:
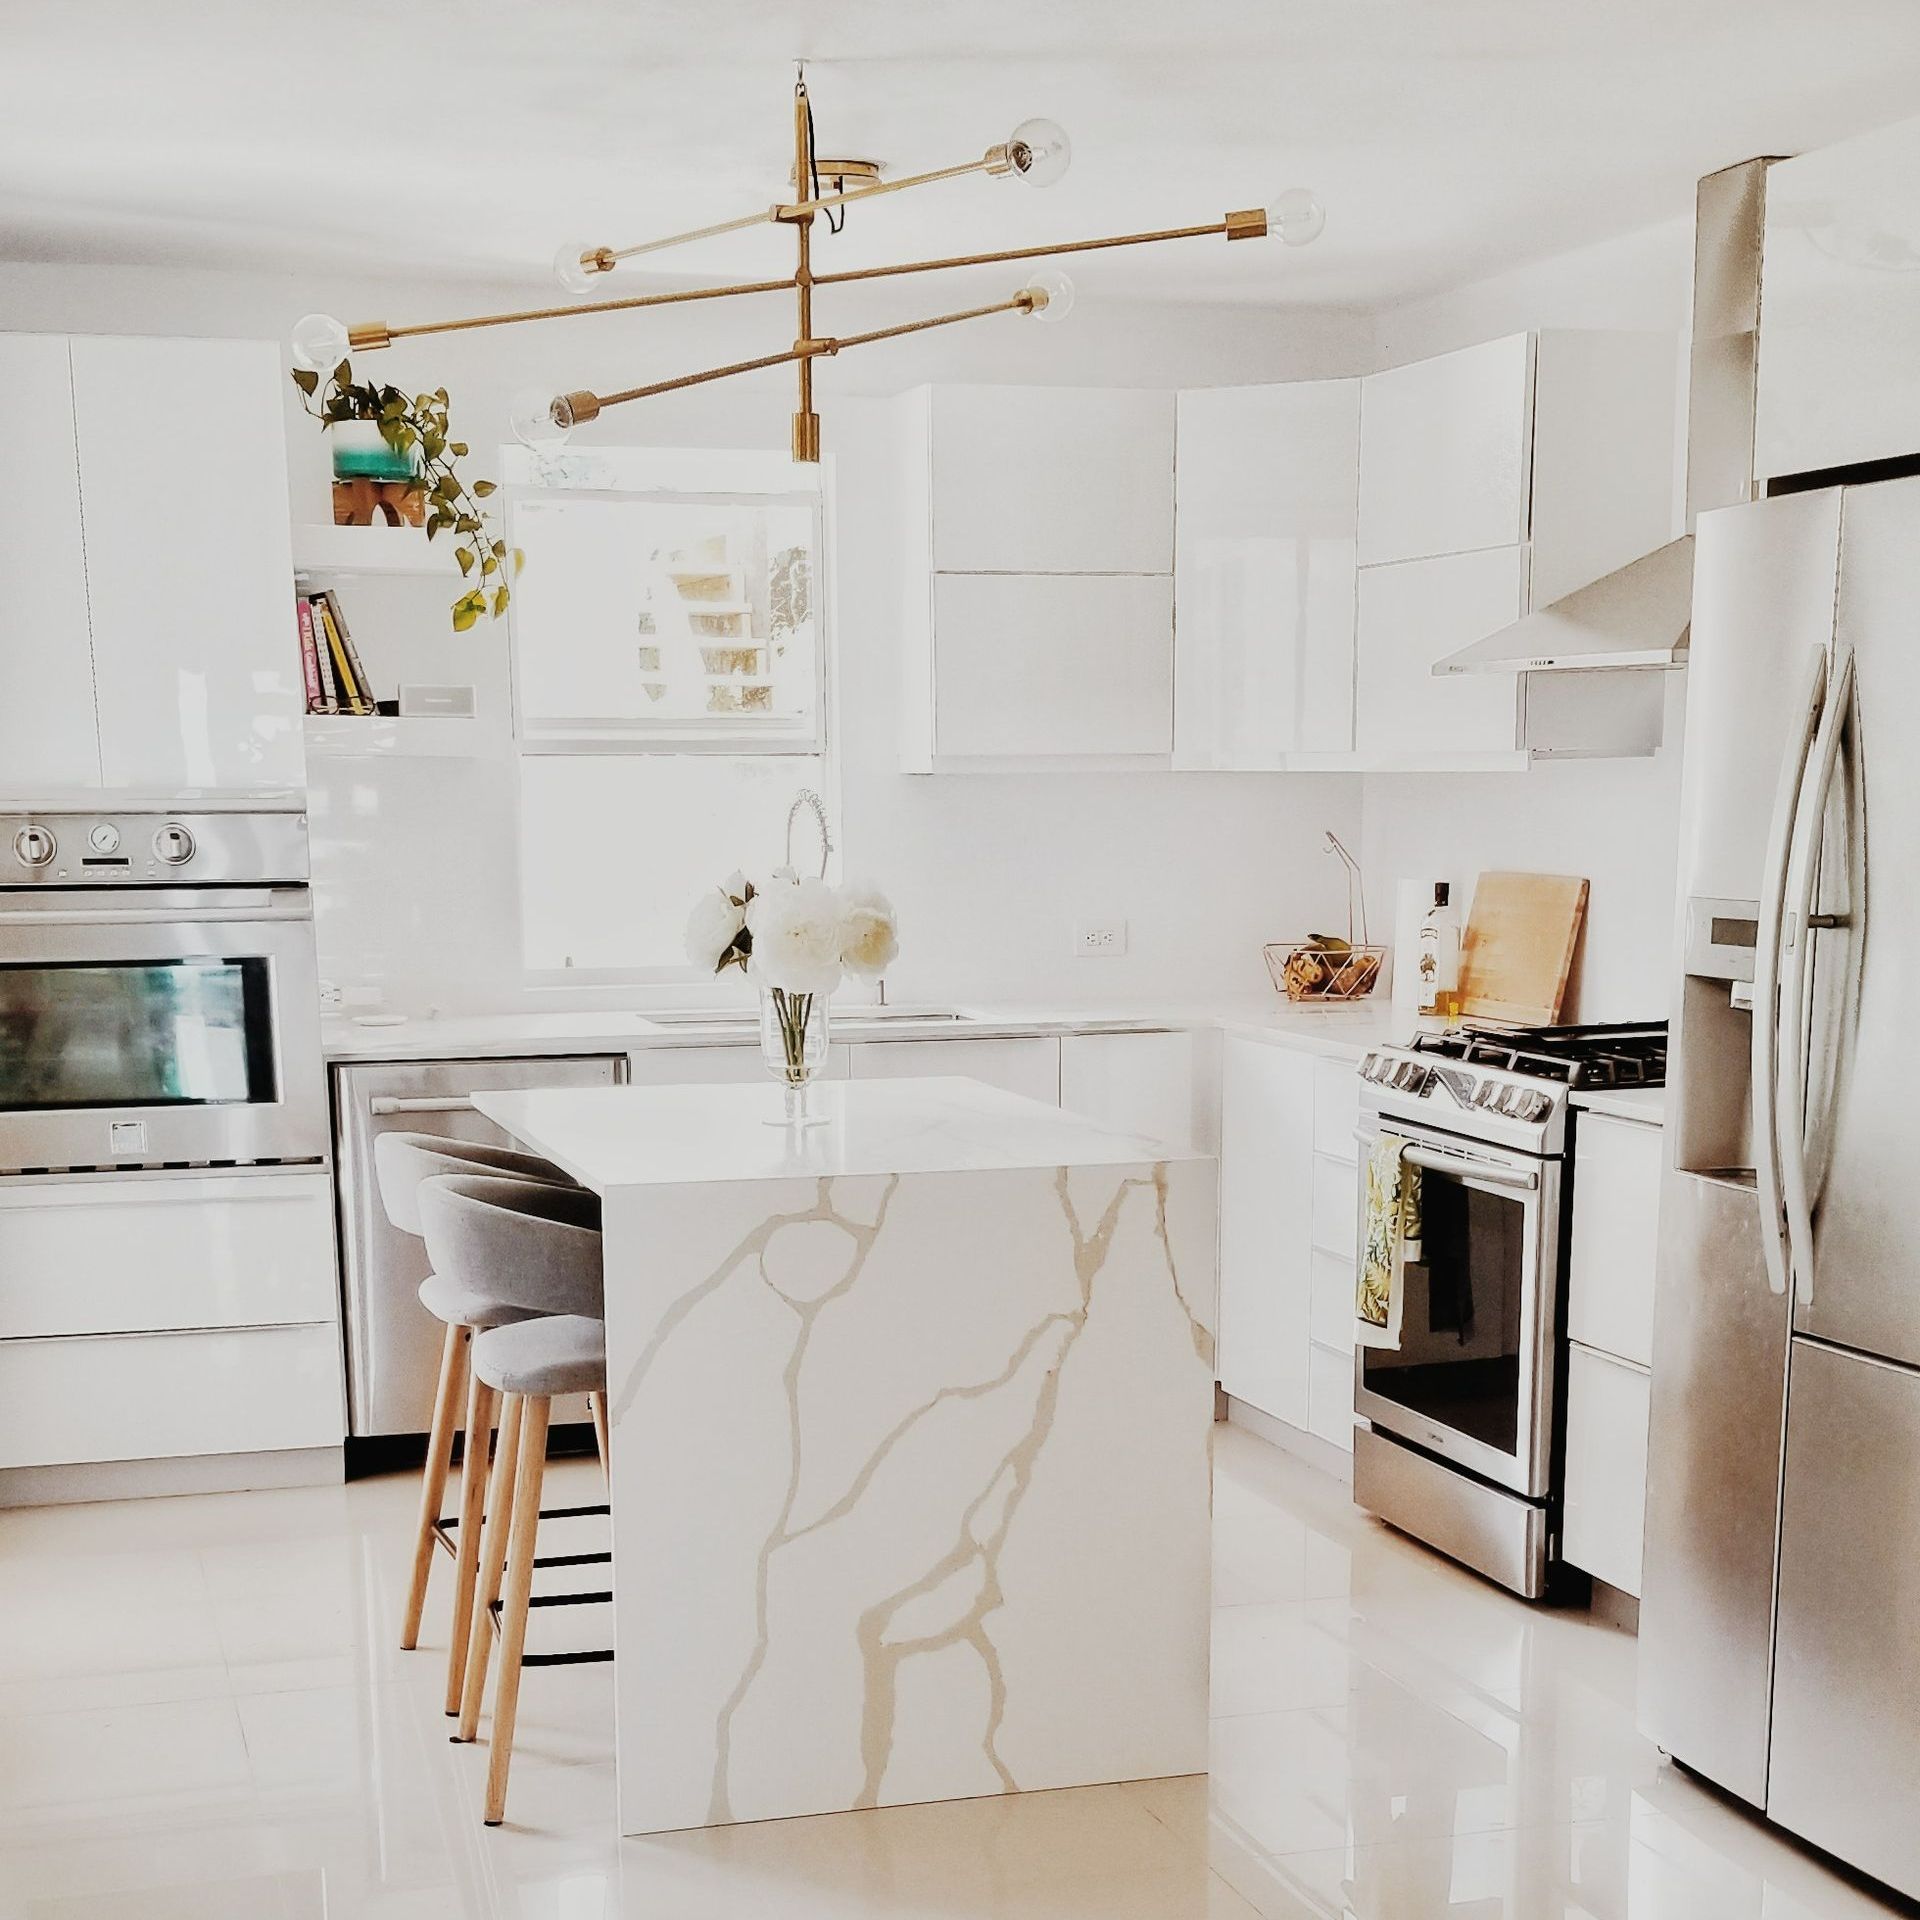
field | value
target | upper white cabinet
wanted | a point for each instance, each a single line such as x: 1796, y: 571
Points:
x: 1267, y: 484
x: 48, y: 735
x: 1051, y: 479
x: 1038, y: 539
x: 1492, y: 481
x: 1444, y: 448
x: 151, y: 649
x: 1839, y: 375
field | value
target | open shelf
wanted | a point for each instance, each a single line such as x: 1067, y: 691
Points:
x: 320, y: 548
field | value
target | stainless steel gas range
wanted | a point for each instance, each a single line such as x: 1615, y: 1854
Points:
x: 1463, y: 1436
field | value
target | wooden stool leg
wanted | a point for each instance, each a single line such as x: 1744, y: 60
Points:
x: 493, y: 1560
x: 513, y: 1612
x: 597, y: 1406
x: 433, y: 1480
x: 481, y: 1400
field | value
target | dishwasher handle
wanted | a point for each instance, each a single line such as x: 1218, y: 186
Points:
x: 383, y: 1104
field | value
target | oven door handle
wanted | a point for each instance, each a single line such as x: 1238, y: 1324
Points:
x: 383, y: 1104
x: 1436, y: 1160
x: 149, y: 916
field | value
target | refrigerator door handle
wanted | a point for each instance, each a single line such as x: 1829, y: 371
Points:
x: 1797, y: 931
x: 1767, y: 960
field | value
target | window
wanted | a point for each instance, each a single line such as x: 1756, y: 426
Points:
x: 670, y: 689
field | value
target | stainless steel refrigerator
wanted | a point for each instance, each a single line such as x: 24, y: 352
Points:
x: 1780, y: 1617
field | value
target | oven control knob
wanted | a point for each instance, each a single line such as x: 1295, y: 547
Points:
x: 104, y: 837
x: 173, y: 844
x: 33, y: 846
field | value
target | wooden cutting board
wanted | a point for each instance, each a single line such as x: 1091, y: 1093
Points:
x: 1518, y: 947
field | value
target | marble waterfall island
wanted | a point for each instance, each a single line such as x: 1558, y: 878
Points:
x: 911, y: 1419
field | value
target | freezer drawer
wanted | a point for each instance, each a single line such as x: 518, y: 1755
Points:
x: 1846, y: 1691
x: 393, y: 1343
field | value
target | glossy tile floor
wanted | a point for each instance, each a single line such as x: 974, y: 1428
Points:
x: 203, y: 1717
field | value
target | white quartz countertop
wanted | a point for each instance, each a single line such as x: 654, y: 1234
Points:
x: 610, y: 1138
x: 1645, y: 1104
x: 1344, y: 1031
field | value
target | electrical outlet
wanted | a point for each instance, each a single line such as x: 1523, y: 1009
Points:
x: 1100, y: 937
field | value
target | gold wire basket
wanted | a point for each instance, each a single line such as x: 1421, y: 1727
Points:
x: 1322, y: 968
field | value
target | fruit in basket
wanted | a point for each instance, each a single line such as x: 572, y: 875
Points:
x: 1324, y: 966
x: 1305, y: 973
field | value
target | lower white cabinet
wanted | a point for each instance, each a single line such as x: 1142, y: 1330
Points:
x: 1415, y: 612
x: 1606, y: 1480
x: 1287, y: 1212
x: 159, y: 1396
x: 1140, y: 1082
x: 710, y: 1066
x: 1052, y: 665
x: 1027, y: 1066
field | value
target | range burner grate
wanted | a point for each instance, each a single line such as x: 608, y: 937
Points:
x: 1626, y: 1054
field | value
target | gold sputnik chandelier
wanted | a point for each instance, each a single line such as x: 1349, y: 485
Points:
x: 1037, y: 152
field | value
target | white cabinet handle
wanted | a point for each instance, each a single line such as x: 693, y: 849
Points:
x: 385, y: 1103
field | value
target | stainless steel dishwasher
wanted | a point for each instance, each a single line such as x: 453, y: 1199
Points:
x: 393, y: 1343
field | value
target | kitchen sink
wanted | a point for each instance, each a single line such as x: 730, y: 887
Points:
x: 747, y: 1019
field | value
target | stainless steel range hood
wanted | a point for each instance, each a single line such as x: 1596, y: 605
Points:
x: 1638, y: 615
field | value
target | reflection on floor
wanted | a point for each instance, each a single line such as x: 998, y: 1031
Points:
x: 203, y: 1717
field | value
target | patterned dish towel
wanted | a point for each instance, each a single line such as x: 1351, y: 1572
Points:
x: 1393, y: 1239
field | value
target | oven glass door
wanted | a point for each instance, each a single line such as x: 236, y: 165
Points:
x: 156, y: 1033
x: 1472, y: 1377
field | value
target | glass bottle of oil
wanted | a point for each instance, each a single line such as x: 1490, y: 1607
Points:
x: 1439, y: 956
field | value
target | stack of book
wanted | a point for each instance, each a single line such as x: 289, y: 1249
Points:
x: 336, y: 681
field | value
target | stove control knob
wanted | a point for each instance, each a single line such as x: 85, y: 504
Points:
x: 104, y: 837
x: 33, y: 846
x: 173, y: 844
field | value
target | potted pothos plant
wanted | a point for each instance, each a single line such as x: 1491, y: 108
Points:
x: 415, y: 430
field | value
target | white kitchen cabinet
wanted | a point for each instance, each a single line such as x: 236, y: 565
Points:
x: 1051, y: 479
x: 1330, y: 1395
x: 1839, y: 372
x: 49, y: 737
x: 164, y: 1395
x: 1266, y: 1197
x: 189, y: 562
x: 1606, y: 1471
x: 1444, y: 452
x: 1267, y: 487
x: 1140, y: 1082
x: 1615, y: 1239
x: 213, y: 1250
x: 1414, y: 613
x: 1052, y: 665
x: 712, y: 1065
x: 1027, y: 1066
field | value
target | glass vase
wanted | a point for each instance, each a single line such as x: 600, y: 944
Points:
x: 793, y: 1043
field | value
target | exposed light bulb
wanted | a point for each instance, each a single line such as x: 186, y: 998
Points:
x: 1039, y: 151
x: 537, y: 419
x: 570, y: 266
x: 319, y: 342
x: 1296, y: 216
x: 1053, y: 295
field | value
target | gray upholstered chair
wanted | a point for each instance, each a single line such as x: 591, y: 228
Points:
x: 536, y: 1249
x: 402, y: 1161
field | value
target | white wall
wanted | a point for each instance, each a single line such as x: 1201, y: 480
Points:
x: 415, y: 861
x: 1614, y: 821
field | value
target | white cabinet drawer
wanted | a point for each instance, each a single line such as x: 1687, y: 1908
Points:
x: 1048, y: 665
x: 158, y: 1396
x: 1336, y: 1205
x: 1616, y: 1207
x: 1052, y: 480
x: 1336, y: 1108
x: 1330, y: 1312
x: 1031, y: 1067
x: 1606, y: 1494
x: 1330, y: 1395
x: 130, y: 1256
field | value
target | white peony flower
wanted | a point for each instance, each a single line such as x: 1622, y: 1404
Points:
x: 869, y: 934
x: 796, y: 937
x: 712, y: 928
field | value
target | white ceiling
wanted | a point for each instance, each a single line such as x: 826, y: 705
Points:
x: 1447, y: 138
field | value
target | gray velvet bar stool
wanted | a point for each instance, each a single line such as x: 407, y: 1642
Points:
x: 402, y: 1162
x: 538, y: 1250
